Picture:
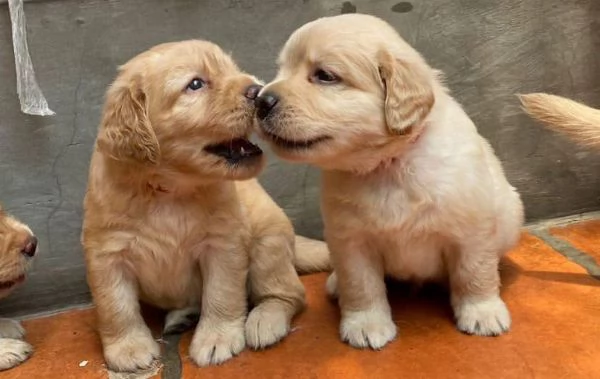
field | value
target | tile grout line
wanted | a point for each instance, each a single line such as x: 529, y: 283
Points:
x: 171, y: 360
x: 563, y: 221
x: 54, y: 312
x: 569, y: 251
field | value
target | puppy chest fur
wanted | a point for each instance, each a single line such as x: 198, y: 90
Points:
x: 163, y: 243
x: 188, y: 234
x: 414, y: 214
x: 388, y: 222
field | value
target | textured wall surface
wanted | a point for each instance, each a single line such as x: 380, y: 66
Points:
x: 489, y: 50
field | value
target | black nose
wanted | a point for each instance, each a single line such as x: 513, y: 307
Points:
x: 252, y: 91
x: 30, y: 247
x: 265, y: 103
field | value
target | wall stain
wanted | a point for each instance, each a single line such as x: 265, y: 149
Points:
x: 241, y: 4
x: 348, y: 7
x: 402, y: 7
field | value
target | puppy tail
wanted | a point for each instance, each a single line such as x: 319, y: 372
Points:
x: 578, y: 121
x: 311, y: 256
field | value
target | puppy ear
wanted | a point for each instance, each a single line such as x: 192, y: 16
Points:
x: 408, y: 93
x: 126, y: 133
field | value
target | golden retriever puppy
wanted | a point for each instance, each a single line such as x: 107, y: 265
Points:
x: 409, y: 188
x: 18, y: 246
x: 578, y: 121
x: 173, y: 217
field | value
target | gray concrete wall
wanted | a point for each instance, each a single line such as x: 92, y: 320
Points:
x: 488, y: 49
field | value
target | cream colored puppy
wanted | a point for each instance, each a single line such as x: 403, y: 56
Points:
x: 173, y: 217
x: 410, y: 189
x: 18, y: 246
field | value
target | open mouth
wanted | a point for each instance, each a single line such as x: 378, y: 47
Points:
x: 10, y: 283
x: 294, y: 144
x: 235, y: 150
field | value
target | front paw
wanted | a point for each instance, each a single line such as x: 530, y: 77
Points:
x: 216, y: 343
x: 372, y: 328
x: 11, y: 329
x: 266, y: 325
x: 133, y: 352
x: 482, y: 317
x: 13, y: 352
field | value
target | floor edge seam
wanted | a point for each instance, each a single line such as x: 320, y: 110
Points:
x: 566, y: 249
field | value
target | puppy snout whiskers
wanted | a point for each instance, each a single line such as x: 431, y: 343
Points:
x: 265, y: 104
x: 252, y: 91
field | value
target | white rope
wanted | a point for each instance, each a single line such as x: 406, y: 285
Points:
x: 31, y: 97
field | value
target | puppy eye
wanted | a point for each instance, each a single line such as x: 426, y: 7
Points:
x: 324, y: 77
x: 195, y: 84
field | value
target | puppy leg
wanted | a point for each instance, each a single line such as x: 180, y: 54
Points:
x: 13, y: 352
x: 220, y: 333
x: 275, y: 288
x: 475, y: 290
x: 127, y: 342
x: 366, y: 315
x: 11, y: 329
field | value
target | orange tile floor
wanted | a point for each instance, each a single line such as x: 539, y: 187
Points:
x: 553, y: 295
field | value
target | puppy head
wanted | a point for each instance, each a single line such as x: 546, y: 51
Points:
x: 183, y: 108
x: 348, y: 86
x: 18, y: 246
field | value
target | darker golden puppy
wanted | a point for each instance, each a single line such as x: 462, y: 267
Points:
x: 18, y: 246
x: 173, y: 218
